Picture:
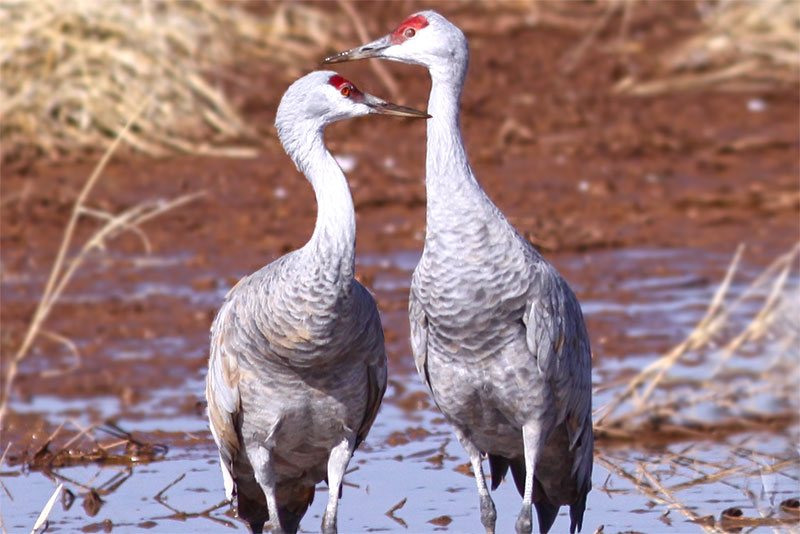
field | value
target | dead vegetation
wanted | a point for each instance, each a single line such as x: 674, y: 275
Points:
x: 739, y: 46
x: 73, y: 72
x: 742, y: 46
x: 67, y: 261
x: 119, y: 452
x: 699, y: 387
x: 735, y: 374
x: 746, y: 467
x: 120, y: 448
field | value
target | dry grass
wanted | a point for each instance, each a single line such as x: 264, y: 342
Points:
x: 73, y: 71
x: 743, y: 46
x: 48, y: 507
x: 64, y: 267
x: 699, y: 385
x: 751, y: 483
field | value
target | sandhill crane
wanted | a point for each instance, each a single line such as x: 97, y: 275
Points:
x: 297, y: 366
x: 497, y: 334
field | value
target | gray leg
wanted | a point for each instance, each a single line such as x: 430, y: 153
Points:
x: 488, y: 512
x: 531, y: 438
x: 337, y: 465
x: 264, y: 471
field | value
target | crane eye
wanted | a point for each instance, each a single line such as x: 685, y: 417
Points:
x: 345, y: 91
x: 409, y: 33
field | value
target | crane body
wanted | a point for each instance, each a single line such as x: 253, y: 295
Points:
x: 297, y: 366
x: 497, y: 334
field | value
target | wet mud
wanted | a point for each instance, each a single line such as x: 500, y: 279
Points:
x: 611, y: 188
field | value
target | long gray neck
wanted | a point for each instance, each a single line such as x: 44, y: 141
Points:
x: 332, y: 245
x: 450, y: 183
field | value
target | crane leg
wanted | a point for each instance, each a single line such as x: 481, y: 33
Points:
x: 532, y: 443
x: 337, y: 465
x: 264, y: 471
x: 488, y: 512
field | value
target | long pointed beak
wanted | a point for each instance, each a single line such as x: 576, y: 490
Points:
x: 373, y: 49
x: 383, y: 107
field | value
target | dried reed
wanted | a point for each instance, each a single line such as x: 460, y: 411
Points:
x: 743, y: 46
x: 72, y: 71
x: 48, y: 507
x: 760, y: 325
x: 740, y: 45
x: 63, y: 268
x: 746, y: 464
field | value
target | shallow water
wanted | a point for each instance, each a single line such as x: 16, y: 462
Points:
x: 428, y: 472
x: 638, y: 303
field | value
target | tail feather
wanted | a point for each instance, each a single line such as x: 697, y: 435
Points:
x: 498, y: 467
x: 546, y: 511
x: 576, y: 510
x: 254, y: 511
x: 295, y: 501
x: 518, y: 470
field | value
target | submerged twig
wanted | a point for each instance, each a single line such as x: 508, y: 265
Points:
x: 159, y: 497
x: 395, y: 508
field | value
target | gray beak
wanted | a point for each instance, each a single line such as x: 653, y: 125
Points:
x: 373, y: 49
x: 383, y: 107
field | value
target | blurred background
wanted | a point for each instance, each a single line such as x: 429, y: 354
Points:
x: 648, y: 149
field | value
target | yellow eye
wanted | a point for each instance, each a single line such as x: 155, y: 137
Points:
x: 409, y: 33
x: 345, y: 91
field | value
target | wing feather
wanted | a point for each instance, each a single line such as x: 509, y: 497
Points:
x: 557, y: 335
x: 376, y: 365
x: 419, y: 337
x: 224, y: 400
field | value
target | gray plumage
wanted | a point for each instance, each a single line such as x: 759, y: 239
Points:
x: 497, y: 334
x: 297, y: 366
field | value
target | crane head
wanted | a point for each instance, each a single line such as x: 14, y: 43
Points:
x: 323, y: 97
x: 373, y: 104
x: 425, y: 38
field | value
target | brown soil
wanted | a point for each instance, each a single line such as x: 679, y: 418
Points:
x: 575, y: 167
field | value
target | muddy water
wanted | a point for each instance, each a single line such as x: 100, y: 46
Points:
x: 411, y: 474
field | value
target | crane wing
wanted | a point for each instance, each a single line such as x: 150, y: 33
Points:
x: 376, y: 366
x: 419, y: 337
x: 376, y: 378
x: 224, y: 401
x: 556, y: 335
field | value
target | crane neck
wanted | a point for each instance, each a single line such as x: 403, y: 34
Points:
x: 450, y: 183
x: 333, y: 241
